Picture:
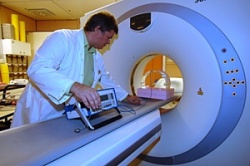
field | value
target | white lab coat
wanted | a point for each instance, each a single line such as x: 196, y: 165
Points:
x: 57, y: 64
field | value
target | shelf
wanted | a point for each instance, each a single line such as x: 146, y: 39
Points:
x: 15, y: 54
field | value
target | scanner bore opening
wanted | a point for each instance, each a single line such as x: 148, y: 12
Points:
x: 162, y: 63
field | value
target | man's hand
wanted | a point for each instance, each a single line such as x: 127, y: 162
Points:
x: 133, y: 99
x: 87, y: 95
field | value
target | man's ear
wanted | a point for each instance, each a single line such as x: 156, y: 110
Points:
x: 97, y: 29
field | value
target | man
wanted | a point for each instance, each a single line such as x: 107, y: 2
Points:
x: 66, y: 69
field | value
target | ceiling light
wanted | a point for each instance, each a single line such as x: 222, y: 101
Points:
x: 41, y: 12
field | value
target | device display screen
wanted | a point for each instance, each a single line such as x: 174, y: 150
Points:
x: 106, y: 97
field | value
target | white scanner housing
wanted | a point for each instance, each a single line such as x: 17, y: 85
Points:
x: 209, y: 41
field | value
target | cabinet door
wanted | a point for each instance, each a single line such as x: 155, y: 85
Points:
x: 153, y: 64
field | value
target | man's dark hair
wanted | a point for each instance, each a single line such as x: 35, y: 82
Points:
x: 105, y: 20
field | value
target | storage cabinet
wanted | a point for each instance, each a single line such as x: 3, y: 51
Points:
x: 18, y: 66
x: 15, y: 54
x: 14, y: 47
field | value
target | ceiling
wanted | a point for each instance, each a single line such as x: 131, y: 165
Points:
x: 54, y: 9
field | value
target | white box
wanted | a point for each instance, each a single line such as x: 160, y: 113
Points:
x: 155, y: 93
x: 8, y: 31
x: 15, y: 47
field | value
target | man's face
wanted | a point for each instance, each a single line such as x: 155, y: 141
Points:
x: 102, y: 38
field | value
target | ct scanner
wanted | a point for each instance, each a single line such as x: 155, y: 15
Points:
x: 208, y: 40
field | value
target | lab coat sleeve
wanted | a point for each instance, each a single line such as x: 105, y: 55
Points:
x: 44, y: 69
x: 107, y: 81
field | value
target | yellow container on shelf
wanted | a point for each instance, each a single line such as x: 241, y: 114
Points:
x: 22, y: 31
x: 15, y: 23
x: 5, y: 73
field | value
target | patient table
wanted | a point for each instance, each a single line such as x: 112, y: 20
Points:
x: 56, y: 142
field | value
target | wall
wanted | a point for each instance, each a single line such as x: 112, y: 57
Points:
x: 45, y: 26
x: 30, y: 24
x: 36, y: 25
